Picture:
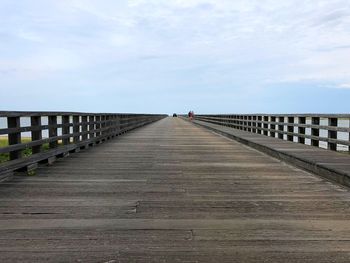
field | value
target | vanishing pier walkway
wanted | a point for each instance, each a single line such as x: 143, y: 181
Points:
x: 172, y: 191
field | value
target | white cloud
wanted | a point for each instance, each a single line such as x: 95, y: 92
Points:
x: 30, y: 36
x: 220, y: 42
x: 41, y: 65
x: 344, y: 86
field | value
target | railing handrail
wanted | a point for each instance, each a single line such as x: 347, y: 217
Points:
x: 56, y: 113
x: 323, y: 115
x: 74, y: 132
x: 291, y: 127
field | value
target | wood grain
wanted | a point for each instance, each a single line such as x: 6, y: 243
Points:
x: 173, y: 192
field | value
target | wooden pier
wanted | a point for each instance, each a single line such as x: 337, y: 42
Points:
x: 173, y: 192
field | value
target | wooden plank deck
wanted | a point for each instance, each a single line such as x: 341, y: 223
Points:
x: 173, y: 192
x: 332, y: 165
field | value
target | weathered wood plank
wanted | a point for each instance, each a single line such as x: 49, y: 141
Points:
x: 329, y: 164
x: 173, y: 192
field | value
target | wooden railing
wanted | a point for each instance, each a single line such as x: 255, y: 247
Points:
x: 329, y: 131
x: 33, y: 137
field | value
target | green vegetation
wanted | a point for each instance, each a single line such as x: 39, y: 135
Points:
x: 3, y: 143
x: 4, y: 157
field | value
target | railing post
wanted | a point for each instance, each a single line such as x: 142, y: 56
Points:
x: 259, y: 125
x: 65, y: 129
x: 118, y: 124
x: 103, y: 126
x: 281, y: 128
x: 272, y: 126
x: 266, y: 125
x: 114, y: 125
x: 98, y: 125
x: 333, y: 122
x: 84, y: 128
x: 53, y: 131
x: 301, y: 130
x: 76, y: 128
x: 315, y: 132
x: 91, y: 126
x: 108, y: 125
x: 35, y: 122
x: 290, y: 129
x: 249, y: 124
x: 14, y: 138
x: 254, y: 124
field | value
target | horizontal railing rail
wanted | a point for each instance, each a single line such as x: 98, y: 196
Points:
x: 27, y: 138
x: 329, y: 131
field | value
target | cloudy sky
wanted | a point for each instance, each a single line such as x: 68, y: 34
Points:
x: 211, y: 56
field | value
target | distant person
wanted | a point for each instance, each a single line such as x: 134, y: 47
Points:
x: 190, y: 115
